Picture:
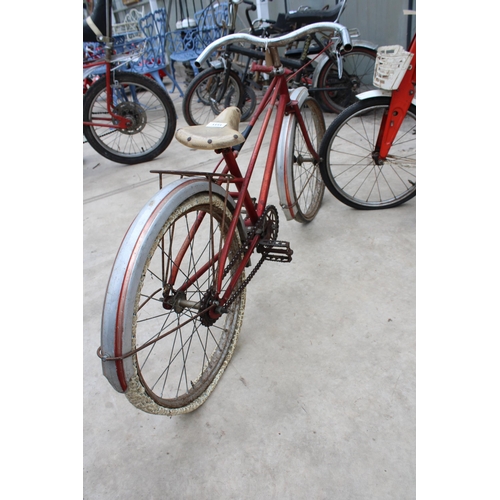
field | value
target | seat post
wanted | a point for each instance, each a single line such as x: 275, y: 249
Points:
x: 275, y: 57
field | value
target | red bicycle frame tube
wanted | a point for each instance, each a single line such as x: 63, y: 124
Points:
x: 400, y: 103
x: 277, y: 93
x: 277, y: 89
x: 116, y: 121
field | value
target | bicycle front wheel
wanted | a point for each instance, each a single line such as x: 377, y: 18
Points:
x: 357, y: 76
x: 145, y: 103
x: 249, y: 103
x: 182, y: 351
x: 300, y: 185
x: 348, y: 165
x: 209, y: 93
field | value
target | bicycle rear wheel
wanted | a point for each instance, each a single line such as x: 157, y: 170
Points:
x: 357, y: 76
x: 249, y: 103
x: 145, y: 103
x: 167, y: 285
x: 209, y: 93
x: 348, y: 166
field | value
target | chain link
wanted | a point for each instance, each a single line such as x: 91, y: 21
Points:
x: 259, y: 226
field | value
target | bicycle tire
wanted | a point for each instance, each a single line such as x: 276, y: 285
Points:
x: 301, y: 186
x: 146, y: 103
x: 177, y: 373
x: 205, y: 96
x: 249, y: 103
x: 348, y: 167
x: 357, y: 77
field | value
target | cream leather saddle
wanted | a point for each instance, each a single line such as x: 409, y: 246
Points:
x: 222, y: 132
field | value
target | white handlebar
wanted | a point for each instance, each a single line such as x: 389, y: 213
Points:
x: 280, y: 41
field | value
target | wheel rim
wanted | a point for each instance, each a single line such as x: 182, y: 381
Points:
x: 147, y: 114
x: 208, y: 102
x: 249, y: 103
x: 355, y: 173
x: 179, y: 369
x: 357, y: 77
x: 307, y: 182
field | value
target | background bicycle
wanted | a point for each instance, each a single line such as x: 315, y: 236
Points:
x: 127, y: 117
x: 369, y: 151
x: 233, y: 79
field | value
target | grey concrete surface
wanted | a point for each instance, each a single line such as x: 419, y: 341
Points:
x: 318, y: 401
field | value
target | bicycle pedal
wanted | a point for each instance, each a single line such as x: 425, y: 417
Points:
x: 275, y: 251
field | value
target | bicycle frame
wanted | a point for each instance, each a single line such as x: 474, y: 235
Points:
x: 276, y: 95
x: 293, y: 67
x: 114, y: 121
x: 195, y: 237
x: 110, y: 122
x: 400, y: 102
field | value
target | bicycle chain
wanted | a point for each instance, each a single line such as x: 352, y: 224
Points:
x: 244, y: 247
x: 106, y: 133
x: 102, y: 135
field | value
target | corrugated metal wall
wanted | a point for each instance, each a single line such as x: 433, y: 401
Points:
x: 379, y: 21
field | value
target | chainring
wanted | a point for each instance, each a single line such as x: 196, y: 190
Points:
x: 269, y: 223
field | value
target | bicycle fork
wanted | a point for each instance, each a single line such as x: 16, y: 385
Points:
x: 401, y: 100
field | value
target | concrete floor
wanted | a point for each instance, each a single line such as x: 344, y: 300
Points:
x: 318, y: 401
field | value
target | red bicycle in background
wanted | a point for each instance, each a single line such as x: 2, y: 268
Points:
x: 127, y: 117
x: 369, y: 151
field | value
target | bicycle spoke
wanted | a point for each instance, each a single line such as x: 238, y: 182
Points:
x: 182, y: 347
x: 356, y: 174
x: 145, y: 109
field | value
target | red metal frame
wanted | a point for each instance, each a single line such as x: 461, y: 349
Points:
x: 400, y: 103
x: 115, y: 121
x: 277, y: 96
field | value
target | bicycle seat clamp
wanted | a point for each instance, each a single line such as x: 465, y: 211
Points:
x: 220, y: 133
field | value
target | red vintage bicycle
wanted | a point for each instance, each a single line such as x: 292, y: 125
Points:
x: 127, y: 117
x: 176, y: 295
x: 369, y: 151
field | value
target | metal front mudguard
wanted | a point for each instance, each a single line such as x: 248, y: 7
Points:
x: 284, y: 178
x: 379, y: 93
